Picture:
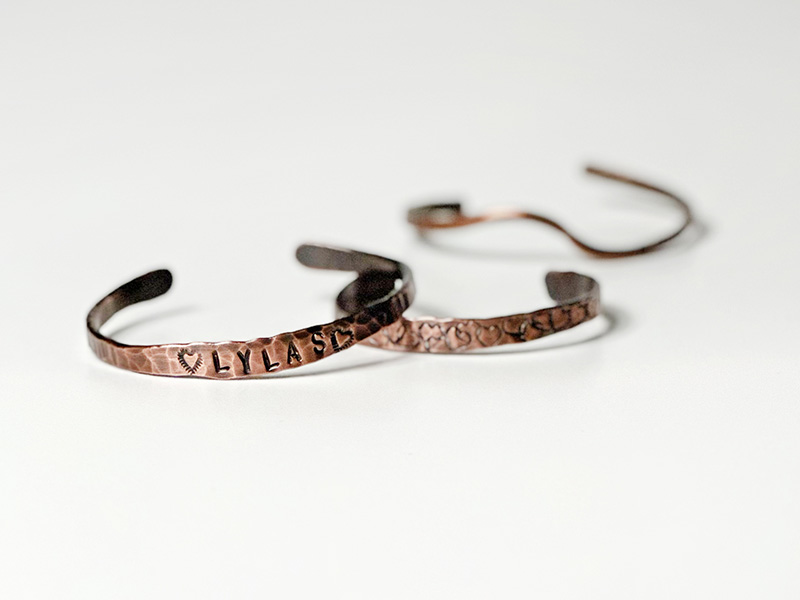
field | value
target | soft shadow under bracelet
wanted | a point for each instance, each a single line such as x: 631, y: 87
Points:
x: 383, y: 290
x: 577, y: 297
x: 448, y: 215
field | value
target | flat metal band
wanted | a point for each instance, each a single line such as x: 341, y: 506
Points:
x: 578, y: 298
x: 384, y: 288
x: 450, y: 215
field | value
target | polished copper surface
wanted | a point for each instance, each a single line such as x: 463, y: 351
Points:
x: 578, y: 301
x: 383, y: 289
x: 444, y: 216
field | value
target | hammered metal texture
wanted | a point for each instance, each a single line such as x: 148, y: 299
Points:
x: 259, y: 356
x: 579, y: 301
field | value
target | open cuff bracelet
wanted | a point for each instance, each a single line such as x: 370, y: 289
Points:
x: 383, y: 289
x: 577, y: 297
x: 449, y: 215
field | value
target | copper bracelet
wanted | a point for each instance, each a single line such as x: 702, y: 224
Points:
x: 578, y: 298
x: 442, y: 216
x: 383, y: 290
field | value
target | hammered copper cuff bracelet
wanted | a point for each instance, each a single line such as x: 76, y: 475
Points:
x: 578, y: 298
x: 383, y: 290
x: 442, y: 216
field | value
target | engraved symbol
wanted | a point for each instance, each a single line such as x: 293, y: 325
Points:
x: 292, y: 353
x: 488, y: 336
x: 532, y: 330
x: 396, y: 333
x: 426, y: 333
x: 456, y: 338
x: 399, y: 334
x: 268, y: 365
x: 516, y: 327
x: 337, y: 345
x: 577, y: 314
x: 245, y: 358
x: 541, y: 321
x: 559, y: 317
x: 218, y: 367
x: 451, y: 337
x: 191, y: 369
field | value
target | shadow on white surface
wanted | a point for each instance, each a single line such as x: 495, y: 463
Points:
x: 322, y: 367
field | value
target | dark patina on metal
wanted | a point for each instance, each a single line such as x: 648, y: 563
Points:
x: 384, y: 289
x: 450, y: 215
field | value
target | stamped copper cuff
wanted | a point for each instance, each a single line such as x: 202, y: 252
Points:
x: 383, y: 290
x: 577, y: 297
x: 449, y: 215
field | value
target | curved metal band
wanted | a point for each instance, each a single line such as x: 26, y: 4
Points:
x: 578, y: 298
x: 384, y: 289
x: 443, y: 216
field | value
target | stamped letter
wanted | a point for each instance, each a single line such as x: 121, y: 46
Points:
x: 292, y: 353
x: 269, y: 366
x: 245, y: 358
x: 319, y: 343
x: 217, y: 366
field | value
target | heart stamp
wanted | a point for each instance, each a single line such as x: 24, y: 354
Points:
x: 516, y: 326
x: 190, y: 368
x: 456, y: 338
x: 396, y: 332
x: 559, y: 317
x: 432, y: 336
x: 349, y: 338
x: 541, y: 321
x: 443, y: 337
x: 577, y: 314
x: 488, y: 336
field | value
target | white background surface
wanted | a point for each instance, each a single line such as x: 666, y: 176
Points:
x: 652, y: 455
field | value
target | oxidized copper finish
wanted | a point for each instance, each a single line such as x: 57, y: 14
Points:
x: 578, y: 298
x: 443, y: 216
x: 383, y: 289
